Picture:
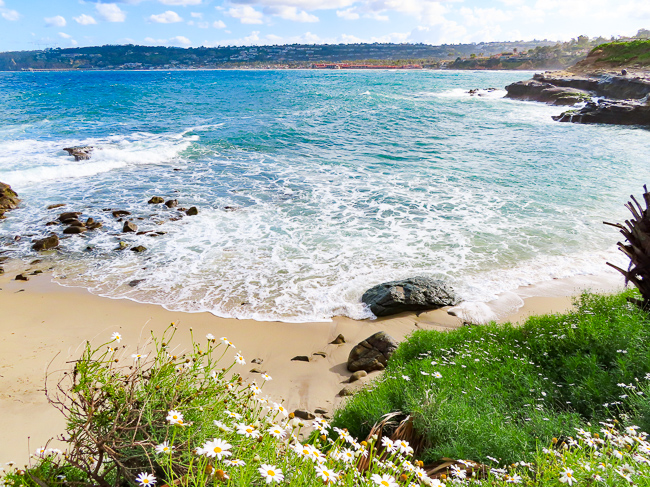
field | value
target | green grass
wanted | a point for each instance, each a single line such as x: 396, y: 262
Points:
x: 505, y: 389
x: 626, y: 52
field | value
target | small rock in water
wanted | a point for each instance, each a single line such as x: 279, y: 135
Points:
x: 257, y: 361
x: 129, y: 227
x: 74, y: 223
x: 46, y: 243
x: 74, y: 230
x: 156, y: 200
x: 192, y: 211
x: 8, y: 197
x: 57, y: 205
x: 139, y: 248
x: 122, y: 246
x: 300, y: 358
x: 119, y: 213
x: 171, y: 203
x: 49, y: 224
x: 303, y: 414
x: 69, y: 215
x: 21, y: 277
x: 357, y: 375
x: 81, y: 153
x: 135, y: 282
x: 338, y: 340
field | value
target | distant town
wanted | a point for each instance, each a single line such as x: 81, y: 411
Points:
x: 536, y: 54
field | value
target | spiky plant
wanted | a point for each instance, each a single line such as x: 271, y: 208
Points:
x: 637, y: 233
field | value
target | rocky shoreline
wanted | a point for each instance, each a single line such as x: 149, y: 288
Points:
x: 609, y: 98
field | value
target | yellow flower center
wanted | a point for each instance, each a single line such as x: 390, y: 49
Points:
x: 249, y: 430
x: 386, y: 484
x: 145, y: 481
x: 270, y: 473
x: 217, y: 449
x: 568, y: 474
x: 326, y: 473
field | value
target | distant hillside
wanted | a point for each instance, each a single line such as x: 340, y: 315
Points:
x: 296, y: 55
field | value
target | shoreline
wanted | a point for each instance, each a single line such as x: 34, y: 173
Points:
x: 48, y: 323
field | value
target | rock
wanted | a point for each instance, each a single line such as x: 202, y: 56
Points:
x: 8, y: 197
x: 372, y: 353
x: 57, y: 205
x: 609, y: 112
x: 122, y: 246
x: 21, y: 277
x: 321, y: 411
x: 46, y: 243
x: 192, y: 211
x: 36, y: 273
x: 256, y: 370
x: 359, y: 374
x: 320, y: 354
x: 139, y: 248
x: 49, y: 224
x: 257, y: 361
x: 69, y: 215
x: 414, y: 294
x: 171, y: 203
x: 348, y: 391
x: 338, y: 340
x: 119, y: 213
x: 129, y: 227
x: 300, y: 358
x: 74, y: 230
x: 2, y: 270
x: 156, y: 200
x: 546, y: 92
x: 81, y: 153
x: 4, y: 258
x: 135, y: 282
x: 74, y: 223
x: 94, y: 225
x: 303, y: 414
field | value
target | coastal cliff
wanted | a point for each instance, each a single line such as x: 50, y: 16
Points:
x: 613, y: 82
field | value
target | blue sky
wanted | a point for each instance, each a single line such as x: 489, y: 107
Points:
x: 37, y: 24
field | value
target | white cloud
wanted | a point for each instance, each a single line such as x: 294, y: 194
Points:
x: 57, y: 21
x: 347, y: 14
x: 64, y: 35
x: 246, y: 14
x: 291, y: 13
x: 169, y: 17
x: 182, y: 3
x: 173, y: 41
x: 219, y: 24
x: 68, y: 37
x: 196, y: 15
x: 11, y: 15
x: 84, y: 19
x: 110, y: 12
x: 180, y: 40
x: 302, y: 4
x: 2, y: 3
x: 484, y: 16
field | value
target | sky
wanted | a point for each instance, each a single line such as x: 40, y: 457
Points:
x: 39, y: 24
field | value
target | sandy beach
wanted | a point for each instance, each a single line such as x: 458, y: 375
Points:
x: 45, y: 324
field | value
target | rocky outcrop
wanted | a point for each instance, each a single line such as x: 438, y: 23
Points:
x: 80, y: 153
x: 609, y: 112
x: 533, y: 90
x: 372, y: 353
x: 8, y: 198
x: 156, y: 200
x: 413, y: 294
x: 625, y: 102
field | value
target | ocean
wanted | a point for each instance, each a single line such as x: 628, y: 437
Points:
x: 311, y: 186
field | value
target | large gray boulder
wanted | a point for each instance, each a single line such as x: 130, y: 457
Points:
x: 413, y: 294
x: 372, y: 353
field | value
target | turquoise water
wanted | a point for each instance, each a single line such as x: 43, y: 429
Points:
x: 338, y: 180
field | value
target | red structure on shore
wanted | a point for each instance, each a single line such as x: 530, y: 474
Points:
x: 363, y: 66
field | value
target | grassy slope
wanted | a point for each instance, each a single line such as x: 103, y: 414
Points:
x: 617, y: 54
x: 505, y: 389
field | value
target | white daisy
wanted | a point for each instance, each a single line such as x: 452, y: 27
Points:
x: 145, y: 479
x: 116, y: 337
x: 270, y: 473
